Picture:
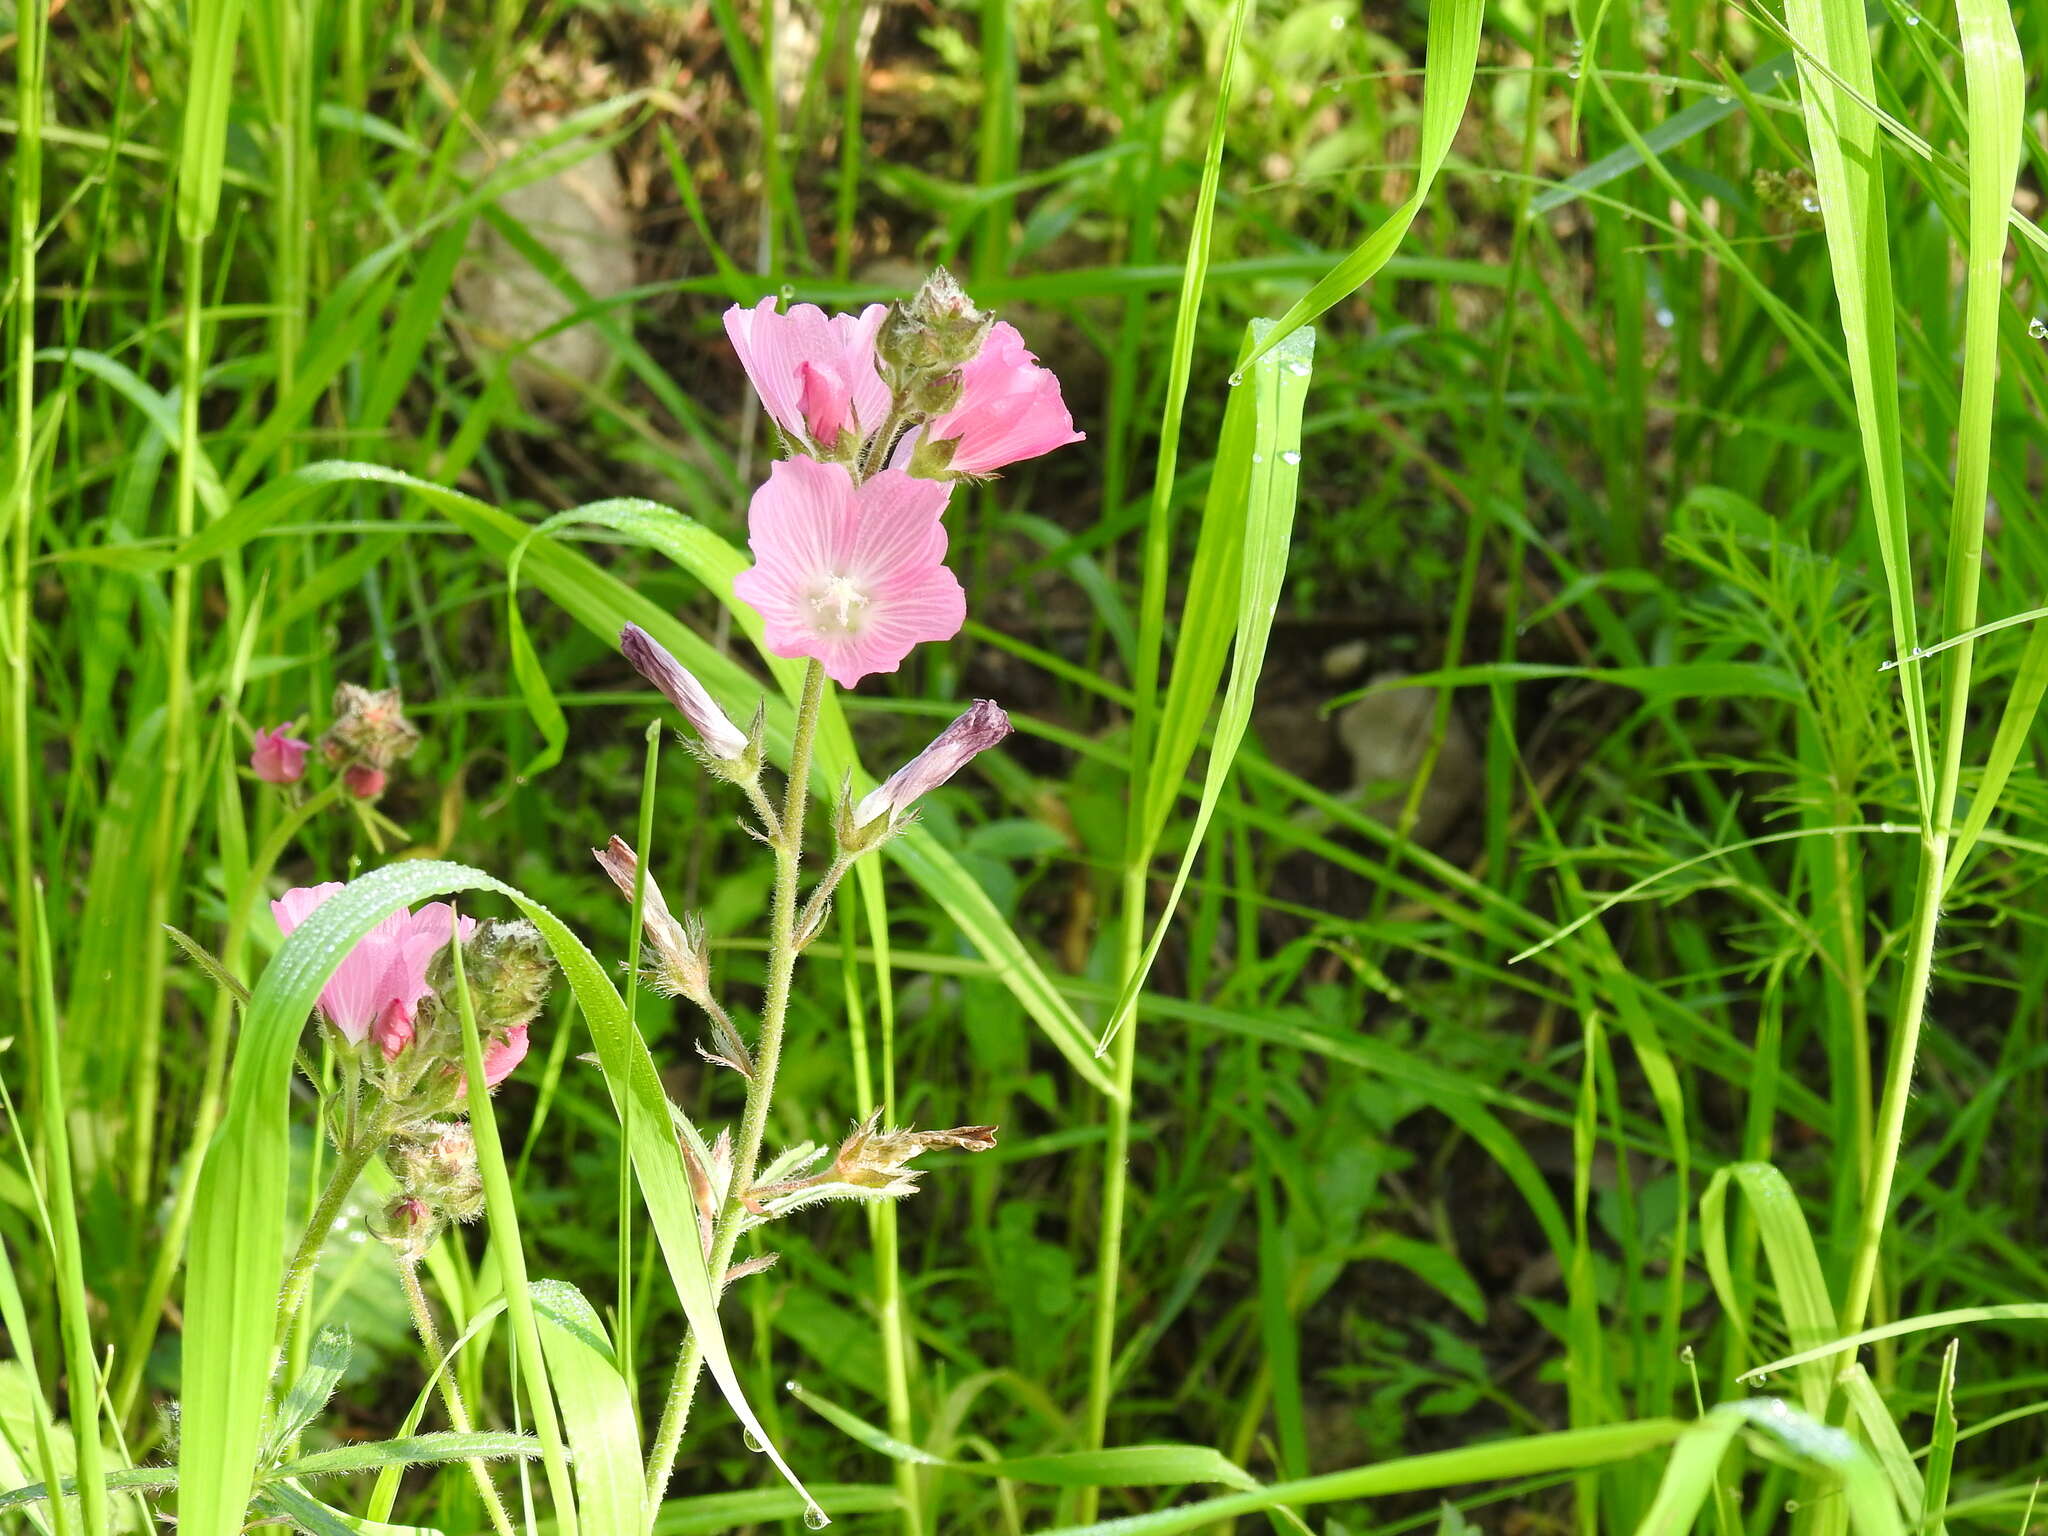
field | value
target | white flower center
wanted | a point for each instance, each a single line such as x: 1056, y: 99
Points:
x: 838, y: 603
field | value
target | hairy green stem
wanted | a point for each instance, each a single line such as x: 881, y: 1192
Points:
x: 451, y: 1393
x: 782, y: 952
x: 298, y: 1275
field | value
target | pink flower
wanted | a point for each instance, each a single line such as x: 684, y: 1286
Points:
x: 815, y: 373
x: 278, y: 758
x: 1009, y: 409
x: 364, y: 781
x: 853, y: 577
x: 379, y: 984
x: 976, y: 731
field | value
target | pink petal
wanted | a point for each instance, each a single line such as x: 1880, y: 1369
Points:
x: 1010, y: 408
x: 503, y: 1055
x: 291, y: 909
x: 856, y: 336
x: 393, y: 1030
x: 766, y: 345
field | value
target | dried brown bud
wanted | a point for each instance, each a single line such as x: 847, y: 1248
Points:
x: 369, y: 727
x: 872, y: 1158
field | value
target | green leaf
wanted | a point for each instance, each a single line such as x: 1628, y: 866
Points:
x: 324, y: 1364
x: 114, y: 1482
x: 597, y: 1408
x: 1124, y: 1466
x: 1795, y: 1266
x: 307, y: 1513
x: 1276, y: 387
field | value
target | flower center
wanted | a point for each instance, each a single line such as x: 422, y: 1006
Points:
x: 837, y: 603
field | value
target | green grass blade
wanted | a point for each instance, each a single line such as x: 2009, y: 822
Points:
x: 209, y: 92
x: 596, y: 1409
x: 1941, y: 1449
x: 1795, y: 1266
x: 1563, y: 1450
x: 1834, y: 68
x: 1278, y: 380
x: 1446, y: 86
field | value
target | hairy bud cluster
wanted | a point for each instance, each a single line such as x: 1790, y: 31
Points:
x: 369, y: 736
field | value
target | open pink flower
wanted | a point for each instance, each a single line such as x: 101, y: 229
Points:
x: 278, y: 758
x: 379, y: 984
x: 815, y: 372
x: 1009, y: 409
x: 853, y: 577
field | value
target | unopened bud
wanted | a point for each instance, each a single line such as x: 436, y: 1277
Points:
x: 982, y: 727
x: 437, y: 1164
x: 277, y: 756
x: 510, y: 974
x: 936, y: 331
x: 681, y: 966
x: 363, y: 781
x: 721, y: 739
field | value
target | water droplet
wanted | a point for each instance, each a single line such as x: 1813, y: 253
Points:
x: 1337, y: 23
x: 1237, y: 378
x: 1258, y: 458
x: 2037, y: 328
x: 1809, y: 204
x: 1912, y: 18
x: 1578, y: 47
x: 753, y: 1441
x: 1724, y: 98
x: 1572, y: 73
x: 788, y: 292
x: 815, y: 1519
x: 1290, y: 457
x: 1665, y: 317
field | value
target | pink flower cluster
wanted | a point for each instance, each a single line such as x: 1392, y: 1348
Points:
x: 376, y: 991
x: 883, y: 410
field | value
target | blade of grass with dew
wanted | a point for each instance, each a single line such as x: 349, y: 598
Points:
x: 1689, y: 1477
x: 1928, y: 1322
x: 1278, y: 382
x: 1867, y: 1409
x: 1795, y: 1264
x: 239, y: 1235
x: 1452, y: 56
x: 596, y: 1410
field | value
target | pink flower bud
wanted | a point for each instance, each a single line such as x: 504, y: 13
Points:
x: 363, y: 781
x: 721, y: 738
x: 393, y: 1029
x: 974, y: 732
x: 815, y: 373
x: 278, y: 758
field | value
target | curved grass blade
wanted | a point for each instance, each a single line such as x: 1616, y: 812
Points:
x: 1453, y: 54
x: 1795, y: 1266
